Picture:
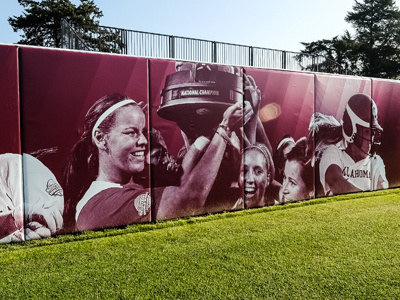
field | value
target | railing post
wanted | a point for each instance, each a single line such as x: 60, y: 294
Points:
x: 171, y: 46
x: 124, y: 41
x: 62, y: 33
x: 251, y: 56
x: 313, y: 63
x: 284, y: 60
x: 214, y: 51
x: 121, y: 46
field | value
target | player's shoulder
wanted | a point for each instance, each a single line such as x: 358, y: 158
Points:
x: 377, y: 159
x: 331, y: 151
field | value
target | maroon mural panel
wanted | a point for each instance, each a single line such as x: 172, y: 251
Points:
x: 282, y: 104
x: 344, y: 152
x: 96, y: 164
x: 196, y: 138
x: 9, y: 90
x: 386, y: 94
x: 11, y: 193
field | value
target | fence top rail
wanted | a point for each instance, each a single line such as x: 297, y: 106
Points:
x: 196, y: 39
x: 251, y: 48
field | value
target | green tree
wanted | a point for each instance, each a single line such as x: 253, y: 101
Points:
x: 338, y: 54
x: 373, y: 50
x: 377, y: 26
x: 41, y: 24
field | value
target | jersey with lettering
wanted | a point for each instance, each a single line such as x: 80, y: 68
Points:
x: 11, y: 198
x: 364, y: 174
x: 106, y: 205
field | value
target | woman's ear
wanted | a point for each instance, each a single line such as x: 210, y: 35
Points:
x: 268, y: 179
x: 99, y: 138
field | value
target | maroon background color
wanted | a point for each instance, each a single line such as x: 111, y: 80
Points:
x: 294, y: 93
x: 386, y: 94
x: 332, y: 92
x: 9, y: 103
x: 159, y: 70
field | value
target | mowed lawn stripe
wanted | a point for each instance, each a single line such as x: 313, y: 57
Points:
x: 334, y: 250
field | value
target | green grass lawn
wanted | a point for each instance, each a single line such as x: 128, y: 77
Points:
x: 333, y: 248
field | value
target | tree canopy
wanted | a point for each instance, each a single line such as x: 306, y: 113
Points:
x: 41, y: 24
x: 374, y: 49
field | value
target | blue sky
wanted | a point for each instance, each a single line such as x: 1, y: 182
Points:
x: 272, y: 24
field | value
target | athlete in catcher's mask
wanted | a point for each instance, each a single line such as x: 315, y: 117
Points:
x: 346, y: 151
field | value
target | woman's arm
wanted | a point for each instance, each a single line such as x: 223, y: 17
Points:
x: 253, y: 128
x: 193, y: 155
x: 190, y: 196
x: 337, y: 183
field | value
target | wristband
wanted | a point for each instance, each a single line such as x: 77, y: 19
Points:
x: 227, y: 130
x: 224, y: 135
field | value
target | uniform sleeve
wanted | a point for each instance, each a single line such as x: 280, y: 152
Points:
x: 41, y: 188
x: 11, y: 198
x: 331, y: 156
x: 10, y: 182
x: 378, y: 174
x: 115, y: 207
x: 44, y: 199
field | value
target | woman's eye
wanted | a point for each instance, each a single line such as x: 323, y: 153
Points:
x: 258, y: 172
x: 132, y: 132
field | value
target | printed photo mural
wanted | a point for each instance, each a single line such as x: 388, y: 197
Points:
x: 278, y: 156
x: 85, y: 123
x: 11, y: 188
x: 347, y: 136
x: 196, y: 138
x: 92, y: 141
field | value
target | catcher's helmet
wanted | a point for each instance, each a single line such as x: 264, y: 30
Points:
x: 361, y: 110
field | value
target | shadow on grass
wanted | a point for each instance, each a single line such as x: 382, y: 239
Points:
x: 135, y: 228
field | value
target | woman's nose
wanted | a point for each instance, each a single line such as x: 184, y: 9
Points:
x: 142, y: 140
x: 284, y: 187
x: 249, y: 176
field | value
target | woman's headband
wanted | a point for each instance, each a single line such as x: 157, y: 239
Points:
x: 285, y: 140
x: 264, y: 151
x: 108, y: 112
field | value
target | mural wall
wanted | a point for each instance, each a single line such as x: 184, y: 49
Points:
x: 94, y: 141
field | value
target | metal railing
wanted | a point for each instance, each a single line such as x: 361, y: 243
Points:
x: 154, y: 45
x: 70, y: 38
